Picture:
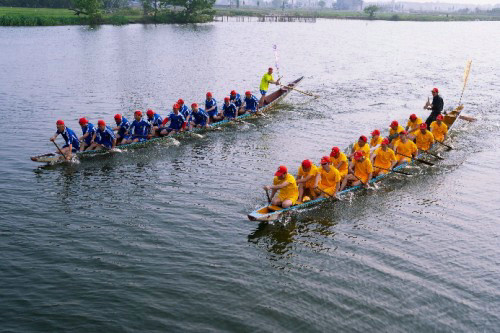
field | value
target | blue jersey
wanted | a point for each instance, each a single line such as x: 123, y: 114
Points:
x: 140, y: 128
x: 124, y: 126
x: 105, y: 137
x: 90, y: 129
x: 156, y: 120
x: 70, y: 137
x: 200, y: 117
x: 176, y: 121
x: 251, y: 103
x: 236, y: 99
x: 229, y: 110
x: 185, y: 111
x: 209, y: 104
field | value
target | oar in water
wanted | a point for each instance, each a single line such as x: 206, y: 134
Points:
x: 60, y: 151
x: 364, y: 184
x: 396, y: 171
x: 301, y: 91
x: 333, y: 197
x: 416, y: 159
x: 431, y: 154
x: 268, y: 197
x: 444, y: 144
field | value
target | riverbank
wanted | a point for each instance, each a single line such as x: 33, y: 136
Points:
x: 50, y: 17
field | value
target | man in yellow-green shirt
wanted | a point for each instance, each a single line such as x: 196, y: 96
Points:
x: 264, y: 84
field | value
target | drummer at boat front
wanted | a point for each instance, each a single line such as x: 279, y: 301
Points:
x: 286, y: 185
x: 104, y: 137
x: 177, y: 122
x: 199, y: 118
x: 250, y: 103
x: 235, y: 98
x: 436, y: 106
x: 155, y: 121
x: 211, y: 107
x: 72, y: 144
x: 264, y: 84
x: 122, y: 126
x: 88, y: 131
x: 229, y: 111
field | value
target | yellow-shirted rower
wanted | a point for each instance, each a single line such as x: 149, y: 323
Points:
x: 439, y: 129
x: 327, y: 179
x: 424, y: 138
x: 306, y: 178
x: 413, y: 124
x: 405, y: 149
x: 288, y: 190
x: 339, y: 161
x: 394, y: 130
x: 383, y: 159
x: 361, y: 171
x: 362, y: 146
x: 264, y: 84
x: 376, y: 139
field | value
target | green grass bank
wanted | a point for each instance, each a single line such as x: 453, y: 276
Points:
x: 10, y: 16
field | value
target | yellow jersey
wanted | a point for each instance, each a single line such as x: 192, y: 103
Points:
x: 383, y: 158
x: 312, y: 171
x: 264, y: 83
x: 336, y: 161
x: 363, y: 169
x: 439, y: 131
x: 394, y: 131
x: 365, y: 149
x: 424, y: 141
x: 413, y: 125
x: 291, y: 191
x: 377, y: 142
x: 408, y: 148
x: 329, y: 178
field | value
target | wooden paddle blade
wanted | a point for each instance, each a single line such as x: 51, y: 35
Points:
x: 424, y: 161
x: 470, y: 119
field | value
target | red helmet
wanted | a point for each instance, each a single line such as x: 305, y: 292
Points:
x: 118, y: 117
x: 325, y: 160
x: 423, y: 126
x: 209, y: 94
x: 403, y: 132
x: 363, y: 138
x: 270, y: 69
x: 358, y: 155
x: 101, y: 123
x: 226, y: 99
x: 233, y: 92
x: 394, y: 123
x: 176, y: 106
x: 194, y: 105
x: 83, y: 121
x: 281, y: 171
x: 180, y: 101
x: 306, y: 164
x: 440, y: 117
x: 413, y: 117
x: 385, y: 141
x: 436, y: 90
x: 138, y: 113
x: 60, y: 122
x: 150, y: 113
x: 375, y: 132
x: 248, y: 92
x: 335, y: 150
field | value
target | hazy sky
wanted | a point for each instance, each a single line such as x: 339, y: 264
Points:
x: 477, y: 2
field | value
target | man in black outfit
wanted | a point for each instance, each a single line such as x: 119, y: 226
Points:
x: 436, y: 106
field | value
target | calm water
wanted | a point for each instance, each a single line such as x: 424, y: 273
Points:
x: 158, y: 240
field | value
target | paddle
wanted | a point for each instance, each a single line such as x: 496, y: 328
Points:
x: 396, y: 171
x: 470, y: 119
x: 334, y: 198
x: 444, y: 144
x: 416, y: 159
x: 300, y: 91
x: 364, y: 184
x: 268, y: 197
x: 60, y: 151
x: 434, y: 155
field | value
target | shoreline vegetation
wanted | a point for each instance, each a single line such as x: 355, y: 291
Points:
x: 17, y: 16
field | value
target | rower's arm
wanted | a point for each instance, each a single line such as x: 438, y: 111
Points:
x: 93, y: 137
x: 114, y: 144
x: 316, y: 181
x: 53, y: 138
x: 280, y: 186
x: 273, y: 192
x: 70, y: 149
x: 337, y: 187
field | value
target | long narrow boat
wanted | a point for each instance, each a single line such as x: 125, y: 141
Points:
x: 272, y: 213
x: 270, y: 102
